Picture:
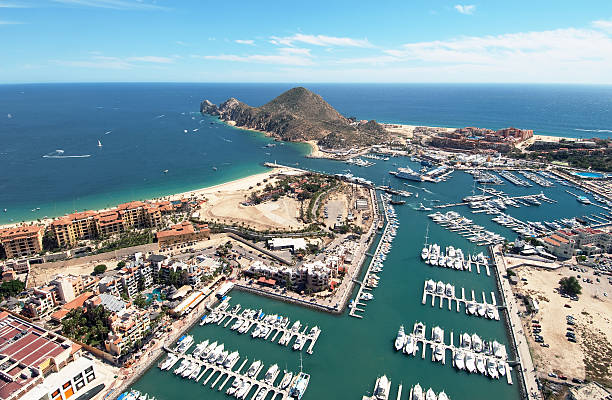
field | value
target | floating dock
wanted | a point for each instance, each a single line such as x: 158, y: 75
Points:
x: 435, y: 294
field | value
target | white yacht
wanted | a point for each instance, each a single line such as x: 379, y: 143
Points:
x: 207, y: 350
x: 417, y: 392
x: 271, y: 374
x: 438, y: 335
x: 243, y: 390
x: 466, y: 341
x: 480, y: 364
x: 298, y: 343
x: 476, y: 343
x: 400, y: 340
x: 470, y: 362
x: 286, y: 380
x: 425, y: 253
x: 430, y: 395
x: 367, y: 296
x: 256, y: 331
x: 235, y: 386
x: 381, y: 389
x: 471, y: 308
x: 440, y: 287
x: 501, y: 368
x: 450, y: 290
x: 410, y: 345
x: 438, y: 352
x: 253, y: 369
x: 184, y: 364
x: 442, y: 396
x: 199, y: 349
x: 459, y: 360
x: 492, y: 369
x: 231, y: 359
x: 430, y: 285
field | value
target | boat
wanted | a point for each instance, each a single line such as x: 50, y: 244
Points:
x: 235, y: 386
x: 261, y: 394
x: 476, y: 343
x: 417, y: 392
x: 381, y: 389
x: 222, y: 357
x: 231, y: 359
x: 421, y: 207
x: 286, y: 380
x: 366, y: 296
x: 298, y: 343
x: 300, y: 384
x: 253, y: 369
x: 492, y: 369
x: 480, y: 365
x: 410, y: 345
x: 438, y: 353
x: 430, y: 395
x: 470, y: 362
x: 271, y: 374
x: 407, y: 174
x: 501, y: 368
x: 442, y: 396
x: 438, y: 334
x: 419, y: 330
x: 208, y: 349
x: 184, y: 343
x: 99, y: 144
x: 459, y: 360
x: 243, y: 390
x: 189, y: 370
x: 184, y: 364
x: 400, y: 340
x: 168, y: 362
x: 256, y: 332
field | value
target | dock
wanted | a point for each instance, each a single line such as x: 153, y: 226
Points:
x: 274, y: 330
x: 493, y: 314
x: 357, y: 302
x: 425, y: 343
x: 224, y: 374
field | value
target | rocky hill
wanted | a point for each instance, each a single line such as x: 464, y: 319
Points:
x: 300, y: 115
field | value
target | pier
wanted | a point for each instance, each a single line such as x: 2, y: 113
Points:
x: 489, y: 310
x: 212, y: 369
x: 363, y: 288
x: 432, y: 344
x: 274, y: 330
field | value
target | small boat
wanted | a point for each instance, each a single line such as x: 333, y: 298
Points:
x: 286, y: 380
x: 417, y: 392
x: 99, y: 144
x: 430, y: 395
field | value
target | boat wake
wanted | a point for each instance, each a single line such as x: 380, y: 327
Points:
x: 160, y: 116
x: 107, y: 132
x: 595, y: 130
x: 60, y: 154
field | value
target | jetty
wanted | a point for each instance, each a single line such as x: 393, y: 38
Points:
x: 472, y: 307
x: 484, y: 354
x: 210, y: 370
x: 277, y: 327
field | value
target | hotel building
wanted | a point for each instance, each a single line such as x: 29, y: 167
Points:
x: 22, y: 241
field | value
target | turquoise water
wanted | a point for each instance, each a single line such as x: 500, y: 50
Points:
x: 589, y: 174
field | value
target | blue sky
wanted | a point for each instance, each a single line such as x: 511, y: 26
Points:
x: 315, y: 41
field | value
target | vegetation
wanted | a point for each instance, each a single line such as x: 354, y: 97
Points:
x: 300, y: 115
x: 570, y: 285
x: 597, y: 155
x: 49, y: 242
x: 89, y: 326
x: 99, y: 269
x: 140, y: 301
x: 11, y: 288
x: 126, y: 239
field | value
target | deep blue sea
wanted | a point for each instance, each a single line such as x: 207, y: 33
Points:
x: 50, y: 159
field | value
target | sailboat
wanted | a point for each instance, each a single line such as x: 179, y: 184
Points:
x: 99, y: 144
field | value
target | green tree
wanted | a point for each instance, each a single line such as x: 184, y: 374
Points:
x: 99, y: 269
x: 11, y: 288
x: 140, y: 301
x: 121, y: 264
x: 570, y: 285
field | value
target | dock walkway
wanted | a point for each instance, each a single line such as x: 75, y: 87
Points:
x: 462, y: 300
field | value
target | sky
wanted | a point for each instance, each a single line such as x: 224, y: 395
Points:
x: 516, y: 41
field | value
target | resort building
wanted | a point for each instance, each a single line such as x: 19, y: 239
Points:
x: 29, y: 355
x: 71, y: 228
x: 22, y: 241
x: 292, y: 244
x: 181, y: 233
x: 127, y: 327
x: 75, y: 379
x: 559, y: 246
x: 109, y: 223
x: 313, y: 276
x: 41, y: 303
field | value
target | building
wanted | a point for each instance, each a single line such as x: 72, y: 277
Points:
x: 75, y: 379
x: 78, y: 302
x: 559, y: 246
x: 70, y: 286
x: 181, y: 233
x: 22, y: 241
x: 315, y: 276
x: 109, y: 223
x: 127, y: 327
x: 71, y: 228
x: 292, y: 244
x: 41, y: 303
x: 29, y: 355
x: 590, y: 391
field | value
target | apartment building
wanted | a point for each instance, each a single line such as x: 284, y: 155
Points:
x: 181, y: 233
x: 41, y: 303
x: 71, y: 228
x: 109, y: 223
x: 127, y: 327
x: 22, y: 241
x: 559, y: 246
x: 315, y: 276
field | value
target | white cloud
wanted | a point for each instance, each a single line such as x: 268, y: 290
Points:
x: 465, y: 9
x: 284, y: 56
x: 181, y: 43
x: 604, y: 25
x: 152, y: 59
x: 113, y: 4
x: 244, y: 41
x: 10, y: 22
x: 4, y: 4
x: 320, y: 40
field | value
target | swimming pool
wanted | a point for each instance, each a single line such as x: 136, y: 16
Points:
x: 589, y: 174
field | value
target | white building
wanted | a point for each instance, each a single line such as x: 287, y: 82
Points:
x: 293, y: 244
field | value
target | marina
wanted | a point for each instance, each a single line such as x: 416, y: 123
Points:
x: 376, y: 265
x: 474, y: 355
x: 465, y: 227
x: 454, y: 258
x: 447, y: 292
x: 210, y: 361
x: 265, y: 326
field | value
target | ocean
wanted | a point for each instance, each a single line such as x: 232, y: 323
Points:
x: 50, y: 159
x: 51, y: 163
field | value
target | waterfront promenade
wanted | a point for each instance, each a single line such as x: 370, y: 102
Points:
x: 519, y: 341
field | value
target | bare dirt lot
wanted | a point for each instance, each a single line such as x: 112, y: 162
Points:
x: 591, y: 356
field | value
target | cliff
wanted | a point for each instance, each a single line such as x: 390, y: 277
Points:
x: 299, y: 115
